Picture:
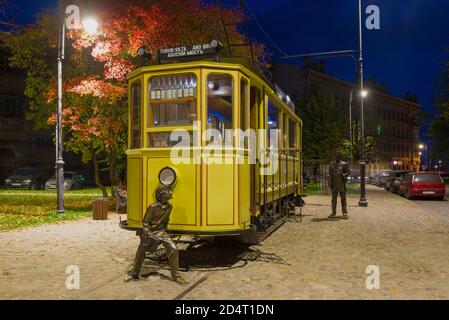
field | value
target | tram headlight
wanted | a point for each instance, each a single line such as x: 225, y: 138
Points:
x: 167, y: 176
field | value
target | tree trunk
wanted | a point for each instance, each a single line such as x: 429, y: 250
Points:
x: 114, y: 173
x: 97, y: 171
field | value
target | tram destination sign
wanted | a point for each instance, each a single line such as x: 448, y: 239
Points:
x: 189, y: 51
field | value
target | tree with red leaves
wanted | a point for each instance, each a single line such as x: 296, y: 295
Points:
x: 94, y: 101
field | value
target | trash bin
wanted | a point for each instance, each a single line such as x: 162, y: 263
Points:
x: 100, y: 208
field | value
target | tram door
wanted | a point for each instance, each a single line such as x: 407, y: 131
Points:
x: 255, y: 98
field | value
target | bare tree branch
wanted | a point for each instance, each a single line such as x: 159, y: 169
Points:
x: 8, y: 15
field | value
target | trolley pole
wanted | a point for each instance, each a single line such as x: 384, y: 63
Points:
x: 59, y: 159
x: 362, y: 202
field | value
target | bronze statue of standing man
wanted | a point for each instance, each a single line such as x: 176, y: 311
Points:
x: 338, y: 173
x: 154, y: 231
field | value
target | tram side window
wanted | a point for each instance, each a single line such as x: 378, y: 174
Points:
x: 136, y: 116
x: 285, y: 132
x: 219, y: 103
x: 292, y: 137
x: 244, y: 108
x: 273, y: 124
x: 292, y: 134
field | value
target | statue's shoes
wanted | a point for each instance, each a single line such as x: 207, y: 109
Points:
x: 345, y: 216
x: 180, y: 280
x: 332, y: 216
x: 129, y: 278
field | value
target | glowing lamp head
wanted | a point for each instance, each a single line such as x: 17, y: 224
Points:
x: 167, y: 176
x: 364, y: 93
x: 421, y: 146
x: 144, y: 52
x: 90, y: 25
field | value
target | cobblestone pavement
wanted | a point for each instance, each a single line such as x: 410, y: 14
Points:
x: 438, y: 208
x: 315, y: 258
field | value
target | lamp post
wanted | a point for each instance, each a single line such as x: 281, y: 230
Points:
x: 90, y: 26
x: 59, y: 159
x: 362, y: 202
x: 426, y: 156
x: 359, y: 66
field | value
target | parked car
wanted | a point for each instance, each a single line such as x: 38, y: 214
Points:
x: 422, y: 184
x: 373, y: 179
x: 394, y: 180
x: 379, y: 179
x: 26, y: 178
x: 72, y: 180
x: 382, y: 178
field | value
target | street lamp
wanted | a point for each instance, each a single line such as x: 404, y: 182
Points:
x: 426, y: 156
x: 90, y: 25
x: 362, y: 202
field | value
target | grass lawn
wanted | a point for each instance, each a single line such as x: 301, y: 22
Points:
x: 90, y: 191
x: 315, y: 188
x: 24, y: 208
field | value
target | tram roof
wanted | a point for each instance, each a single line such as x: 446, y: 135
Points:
x: 227, y: 63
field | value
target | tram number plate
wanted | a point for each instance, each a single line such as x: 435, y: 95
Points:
x: 428, y: 192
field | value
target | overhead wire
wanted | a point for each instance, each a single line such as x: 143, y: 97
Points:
x: 263, y: 30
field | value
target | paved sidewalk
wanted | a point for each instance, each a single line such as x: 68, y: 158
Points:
x: 316, y: 258
x: 33, y: 263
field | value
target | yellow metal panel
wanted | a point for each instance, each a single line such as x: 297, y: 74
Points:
x: 244, y: 194
x: 185, y: 202
x: 219, y: 191
x: 134, y: 190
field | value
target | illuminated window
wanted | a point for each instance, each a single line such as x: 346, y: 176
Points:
x: 273, y: 124
x: 219, y: 103
x: 244, y: 108
x: 172, y: 100
x: 285, y: 132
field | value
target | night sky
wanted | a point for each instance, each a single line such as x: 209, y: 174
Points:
x: 406, y: 53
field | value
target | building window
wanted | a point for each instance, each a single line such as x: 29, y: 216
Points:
x: 11, y: 106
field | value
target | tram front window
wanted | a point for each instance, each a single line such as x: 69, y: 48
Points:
x: 219, y: 104
x: 172, y: 104
x: 172, y: 100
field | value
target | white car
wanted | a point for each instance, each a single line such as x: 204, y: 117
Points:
x: 72, y: 180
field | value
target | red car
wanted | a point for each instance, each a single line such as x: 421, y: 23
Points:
x: 422, y: 184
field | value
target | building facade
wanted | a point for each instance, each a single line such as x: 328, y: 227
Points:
x: 20, y: 144
x: 396, y: 130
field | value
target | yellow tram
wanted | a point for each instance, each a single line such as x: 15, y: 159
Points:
x: 234, y: 197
